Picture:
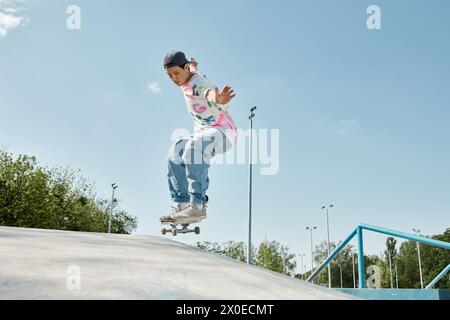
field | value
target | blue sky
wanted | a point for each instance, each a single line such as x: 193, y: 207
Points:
x: 363, y: 114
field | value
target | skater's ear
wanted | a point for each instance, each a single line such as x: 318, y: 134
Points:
x: 187, y: 67
x: 184, y: 66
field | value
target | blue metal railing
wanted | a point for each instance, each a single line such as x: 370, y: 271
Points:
x: 359, y: 233
x: 439, y: 277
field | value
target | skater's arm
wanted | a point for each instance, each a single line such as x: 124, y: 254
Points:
x: 214, y: 96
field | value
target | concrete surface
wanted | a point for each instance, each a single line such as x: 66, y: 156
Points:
x: 50, y: 264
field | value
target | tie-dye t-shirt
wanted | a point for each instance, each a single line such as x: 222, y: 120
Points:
x: 207, y: 114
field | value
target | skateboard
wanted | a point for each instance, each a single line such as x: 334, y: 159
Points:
x: 184, y: 228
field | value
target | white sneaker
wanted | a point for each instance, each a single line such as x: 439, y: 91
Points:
x: 193, y: 213
x: 175, y: 209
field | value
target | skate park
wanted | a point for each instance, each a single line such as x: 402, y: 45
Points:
x: 38, y: 264
x: 48, y: 264
x: 335, y: 105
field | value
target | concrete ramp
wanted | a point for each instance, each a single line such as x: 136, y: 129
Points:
x: 50, y: 264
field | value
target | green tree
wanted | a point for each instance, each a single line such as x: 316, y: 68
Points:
x: 269, y: 254
x: 235, y: 250
x: 388, y: 265
x: 276, y: 257
x: 342, y: 267
x: 57, y: 198
x: 343, y: 262
x: 408, y: 266
x: 319, y: 255
x: 213, y: 247
x: 434, y: 260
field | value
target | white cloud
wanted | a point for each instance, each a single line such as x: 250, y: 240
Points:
x: 8, y: 18
x: 347, y: 124
x: 11, y: 10
x: 8, y: 21
x: 153, y: 87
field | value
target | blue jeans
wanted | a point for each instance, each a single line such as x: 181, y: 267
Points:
x: 188, y: 163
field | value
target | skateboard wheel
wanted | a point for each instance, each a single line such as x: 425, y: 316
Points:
x: 174, y: 232
x: 163, y: 231
x: 197, y: 230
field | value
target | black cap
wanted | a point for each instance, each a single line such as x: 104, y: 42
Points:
x: 174, y: 59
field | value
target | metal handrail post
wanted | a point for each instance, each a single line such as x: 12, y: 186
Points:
x: 361, y: 274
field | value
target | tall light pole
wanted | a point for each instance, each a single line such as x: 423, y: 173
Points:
x: 249, y: 253
x: 417, y: 231
x: 312, y: 253
x: 329, y: 248
x: 390, y: 269
x: 396, y: 274
x: 302, y: 270
x: 114, y: 186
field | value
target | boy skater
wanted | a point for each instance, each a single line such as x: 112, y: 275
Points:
x: 214, y: 133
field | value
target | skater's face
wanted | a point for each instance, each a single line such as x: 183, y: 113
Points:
x: 179, y: 75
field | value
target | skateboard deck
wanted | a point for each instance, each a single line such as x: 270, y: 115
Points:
x: 184, y: 228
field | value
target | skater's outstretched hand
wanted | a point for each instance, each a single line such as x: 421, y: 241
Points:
x: 221, y: 97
